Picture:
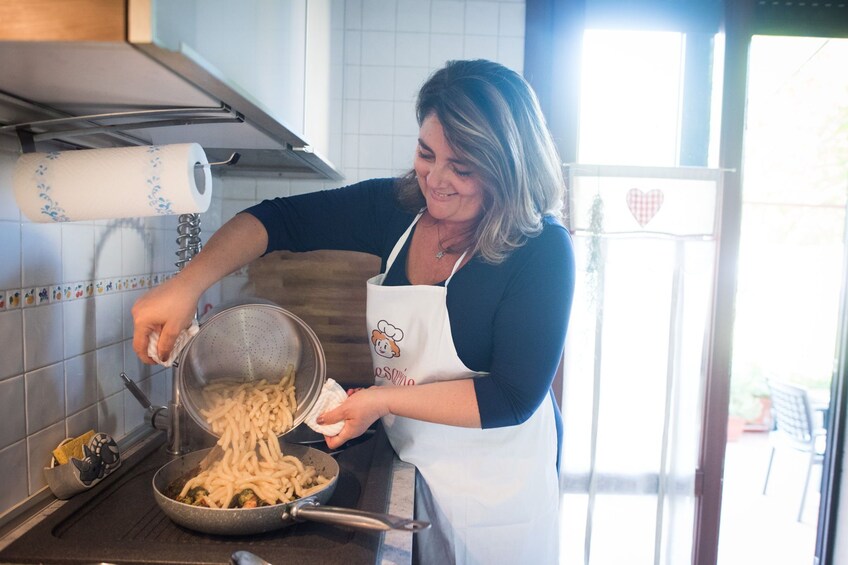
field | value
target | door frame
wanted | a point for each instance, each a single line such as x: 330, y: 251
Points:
x: 834, y: 452
x: 744, y: 19
x: 717, y: 394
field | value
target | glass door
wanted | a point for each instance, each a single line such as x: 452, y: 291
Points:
x: 789, y: 291
x: 653, y: 106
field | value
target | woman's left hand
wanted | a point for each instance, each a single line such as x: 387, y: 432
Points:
x: 358, y: 412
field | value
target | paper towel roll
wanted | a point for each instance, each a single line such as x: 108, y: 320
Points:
x: 124, y: 182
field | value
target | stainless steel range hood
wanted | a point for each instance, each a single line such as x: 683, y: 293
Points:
x: 109, y: 69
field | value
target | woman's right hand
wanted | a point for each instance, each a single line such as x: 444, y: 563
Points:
x: 170, y: 307
x: 167, y: 309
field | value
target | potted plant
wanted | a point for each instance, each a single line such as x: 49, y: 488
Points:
x: 735, y: 423
x: 762, y: 422
x: 746, y: 406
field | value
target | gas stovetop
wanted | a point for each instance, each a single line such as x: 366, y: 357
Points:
x: 118, y: 521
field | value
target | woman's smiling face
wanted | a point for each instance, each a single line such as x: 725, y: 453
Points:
x: 452, y: 188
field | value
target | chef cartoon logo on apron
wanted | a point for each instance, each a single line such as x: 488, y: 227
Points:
x: 385, y: 339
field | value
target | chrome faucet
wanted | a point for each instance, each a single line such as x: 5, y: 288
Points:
x: 170, y: 419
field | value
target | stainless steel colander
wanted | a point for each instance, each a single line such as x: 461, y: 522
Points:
x: 248, y: 342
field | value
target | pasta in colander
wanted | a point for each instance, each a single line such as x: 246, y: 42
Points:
x: 253, y: 471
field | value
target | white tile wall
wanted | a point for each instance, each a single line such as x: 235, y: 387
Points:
x: 378, y: 14
x: 13, y: 462
x: 108, y: 319
x: 353, y: 48
x: 108, y: 249
x: 110, y: 415
x: 389, y: 49
x: 12, y: 340
x: 79, y: 423
x: 110, y: 362
x: 45, y: 394
x: 39, y: 447
x: 10, y: 254
x: 377, y: 83
x: 8, y: 207
x: 79, y: 321
x: 14, y: 424
x: 481, y: 19
x: 413, y: 15
x: 375, y: 117
x: 272, y: 188
x: 480, y: 47
x: 447, y: 16
x: 80, y: 390
x: 403, y: 41
x: 412, y: 49
x: 60, y: 361
x: 136, y: 249
x: 43, y: 343
x: 78, y: 251
x: 353, y: 14
x: 403, y: 120
x: 127, y: 300
x: 42, y: 254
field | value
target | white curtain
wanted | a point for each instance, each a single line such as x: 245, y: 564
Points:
x: 635, y: 361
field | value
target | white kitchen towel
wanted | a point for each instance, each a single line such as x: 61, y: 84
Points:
x: 331, y: 396
x: 181, y: 342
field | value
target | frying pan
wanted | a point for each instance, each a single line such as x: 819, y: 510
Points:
x: 241, y: 521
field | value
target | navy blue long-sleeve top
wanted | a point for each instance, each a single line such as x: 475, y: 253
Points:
x: 508, y: 319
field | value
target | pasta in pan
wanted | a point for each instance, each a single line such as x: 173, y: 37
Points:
x: 253, y: 471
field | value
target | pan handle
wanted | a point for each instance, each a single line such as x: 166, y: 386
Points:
x: 348, y: 517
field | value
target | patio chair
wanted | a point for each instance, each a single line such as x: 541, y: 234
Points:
x: 795, y: 428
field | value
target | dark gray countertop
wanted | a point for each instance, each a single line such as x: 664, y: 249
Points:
x: 118, y: 520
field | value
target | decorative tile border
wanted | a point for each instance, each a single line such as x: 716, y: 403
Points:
x: 65, y: 292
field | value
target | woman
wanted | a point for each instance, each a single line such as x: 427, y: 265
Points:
x: 462, y: 377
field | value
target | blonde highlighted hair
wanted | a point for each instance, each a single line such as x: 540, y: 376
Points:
x: 492, y: 119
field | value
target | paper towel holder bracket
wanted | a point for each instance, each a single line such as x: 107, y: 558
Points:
x: 232, y: 160
x: 26, y: 139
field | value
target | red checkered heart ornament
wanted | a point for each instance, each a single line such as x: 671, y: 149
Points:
x: 644, y: 205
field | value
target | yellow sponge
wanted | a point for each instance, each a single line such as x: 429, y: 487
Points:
x: 72, y: 447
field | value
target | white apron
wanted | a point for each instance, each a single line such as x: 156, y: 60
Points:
x: 491, y: 495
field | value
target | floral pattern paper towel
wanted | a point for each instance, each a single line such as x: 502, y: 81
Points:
x: 123, y: 182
